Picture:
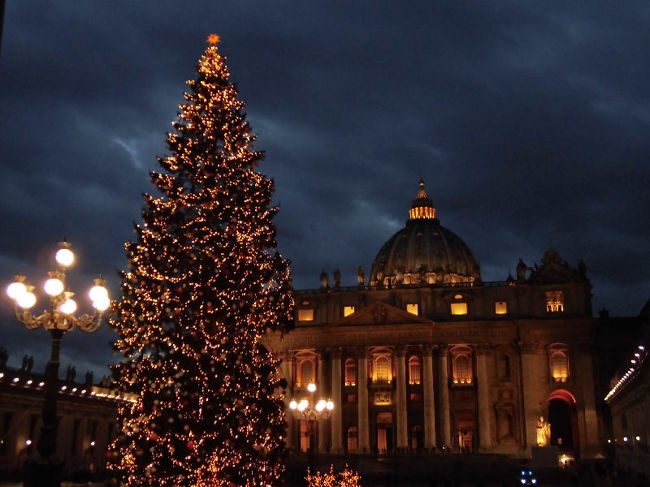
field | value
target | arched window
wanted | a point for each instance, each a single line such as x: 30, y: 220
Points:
x: 382, y: 365
x: 462, y: 365
x: 559, y: 365
x: 554, y: 301
x: 414, y: 370
x: 305, y: 368
x: 352, y: 439
x: 350, y: 372
x: 558, y: 361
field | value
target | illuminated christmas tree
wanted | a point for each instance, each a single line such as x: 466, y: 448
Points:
x: 204, y: 283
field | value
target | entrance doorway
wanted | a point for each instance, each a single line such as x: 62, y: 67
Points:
x: 563, y: 419
x: 384, y: 432
x: 465, y: 430
x: 306, y: 435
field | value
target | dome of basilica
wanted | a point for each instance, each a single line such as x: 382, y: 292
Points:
x: 424, y: 252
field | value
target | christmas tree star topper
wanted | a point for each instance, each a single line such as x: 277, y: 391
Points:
x: 213, y: 39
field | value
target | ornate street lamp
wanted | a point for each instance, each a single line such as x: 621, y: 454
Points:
x: 309, y: 409
x: 58, y: 319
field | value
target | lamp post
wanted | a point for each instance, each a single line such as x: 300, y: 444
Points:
x: 309, y: 409
x: 58, y: 318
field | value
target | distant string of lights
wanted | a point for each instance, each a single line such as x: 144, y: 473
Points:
x: 636, y: 363
x: 70, y: 390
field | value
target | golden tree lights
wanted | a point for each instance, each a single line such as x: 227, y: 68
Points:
x: 203, y: 286
x: 345, y: 478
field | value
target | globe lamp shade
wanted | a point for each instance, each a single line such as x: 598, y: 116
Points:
x: 26, y: 300
x: 98, y: 293
x: 53, y: 287
x: 65, y: 257
x: 68, y: 307
x: 16, y: 289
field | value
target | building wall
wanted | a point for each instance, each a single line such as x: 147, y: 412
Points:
x: 496, y: 411
x: 86, y: 425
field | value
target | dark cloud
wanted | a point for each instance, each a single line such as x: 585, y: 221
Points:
x: 528, y: 122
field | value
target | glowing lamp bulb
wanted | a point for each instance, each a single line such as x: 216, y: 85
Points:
x: 64, y: 256
x: 53, y: 287
x: 101, y: 304
x: 293, y: 405
x: 26, y: 300
x: 68, y: 307
x: 302, y: 405
x: 330, y: 405
x: 311, y: 387
x: 98, y: 293
x: 320, y: 405
x: 16, y: 289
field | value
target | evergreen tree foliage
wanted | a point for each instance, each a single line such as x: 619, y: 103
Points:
x: 204, y: 283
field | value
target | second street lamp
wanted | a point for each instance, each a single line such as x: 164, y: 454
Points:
x: 307, y: 408
x: 58, y: 319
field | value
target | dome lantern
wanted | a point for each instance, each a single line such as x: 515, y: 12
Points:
x: 422, y: 207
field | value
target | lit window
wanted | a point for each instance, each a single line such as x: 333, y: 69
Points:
x: 348, y: 310
x: 458, y: 308
x: 350, y: 372
x: 382, y: 369
x: 500, y: 308
x: 559, y: 363
x: 554, y: 301
x: 462, y: 365
x: 305, y: 315
x: 306, y: 372
x: 414, y: 370
x: 412, y: 308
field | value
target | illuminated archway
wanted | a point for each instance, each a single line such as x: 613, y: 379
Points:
x: 563, y: 419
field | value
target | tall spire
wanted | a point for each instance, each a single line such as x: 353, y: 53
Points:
x: 422, y: 207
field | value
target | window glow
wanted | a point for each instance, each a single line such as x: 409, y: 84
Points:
x: 459, y: 308
x: 350, y: 372
x: 382, y: 369
x: 414, y: 370
x: 347, y: 311
x: 306, y: 371
x: 554, y: 301
x: 559, y: 363
x: 413, y: 308
x: 500, y: 308
x: 305, y: 315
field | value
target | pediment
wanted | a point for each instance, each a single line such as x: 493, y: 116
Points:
x: 380, y: 313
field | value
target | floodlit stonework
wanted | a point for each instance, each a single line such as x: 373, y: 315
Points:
x: 424, y: 355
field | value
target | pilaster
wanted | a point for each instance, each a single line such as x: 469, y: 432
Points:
x: 429, y: 398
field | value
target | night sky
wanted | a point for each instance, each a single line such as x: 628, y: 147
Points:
x: 529, y: 122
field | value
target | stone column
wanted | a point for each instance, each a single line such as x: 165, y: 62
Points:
x: 429, y: 399
x: 362, y: 403
x: 484, y: 414
x: 322, y: 393
x: 443, y: 383
x: 533, y: 374
x: 400, y: 406
x: 286, y: 366
x: 583, y: 373
x: 337, y: 413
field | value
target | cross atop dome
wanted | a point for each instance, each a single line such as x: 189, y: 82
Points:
x: 422, y: 207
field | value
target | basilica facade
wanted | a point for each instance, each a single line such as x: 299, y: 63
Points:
x: 424, y: 355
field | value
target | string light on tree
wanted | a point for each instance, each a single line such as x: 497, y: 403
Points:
x: 204, y: 283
